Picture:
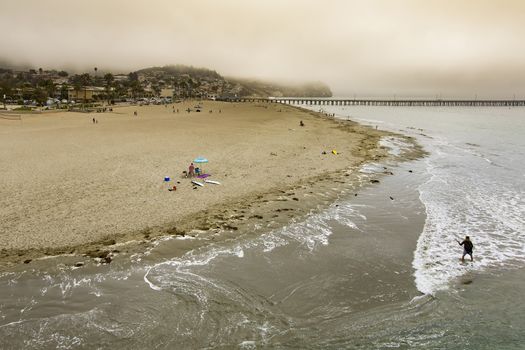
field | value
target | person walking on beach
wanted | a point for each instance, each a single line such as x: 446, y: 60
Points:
x: 467, y: 248
x: 191, y: 170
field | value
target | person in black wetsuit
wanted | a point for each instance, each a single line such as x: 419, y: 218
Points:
x: 467, y: 248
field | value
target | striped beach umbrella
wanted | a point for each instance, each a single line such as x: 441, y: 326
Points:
x: 200, y: 161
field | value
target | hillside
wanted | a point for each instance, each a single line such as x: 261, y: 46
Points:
x: 41, y: 86
x: 213, y: 83
x: 265, y: 88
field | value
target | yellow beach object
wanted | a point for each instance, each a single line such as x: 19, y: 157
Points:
x: 334, y: 151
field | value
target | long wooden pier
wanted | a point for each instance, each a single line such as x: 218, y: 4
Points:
x: 382, y: 102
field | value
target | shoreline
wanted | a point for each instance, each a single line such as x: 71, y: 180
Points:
x: 273, y: 205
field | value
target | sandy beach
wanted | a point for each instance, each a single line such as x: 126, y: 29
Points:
x: 70, y: 185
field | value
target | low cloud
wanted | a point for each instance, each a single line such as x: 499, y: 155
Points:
x: 357, y: 47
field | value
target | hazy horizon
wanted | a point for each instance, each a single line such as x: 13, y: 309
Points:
x: 373, y: 48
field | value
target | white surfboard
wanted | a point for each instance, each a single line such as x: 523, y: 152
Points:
x: 197, y: 183
x: 212, y: 182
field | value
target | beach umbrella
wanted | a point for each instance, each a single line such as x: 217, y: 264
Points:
x: 200, y: 161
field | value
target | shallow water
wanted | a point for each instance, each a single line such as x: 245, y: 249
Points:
x: 350, y: 275
x: 475, y: 186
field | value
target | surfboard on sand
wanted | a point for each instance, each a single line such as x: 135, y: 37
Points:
x: 197, y: 183
x: 212, y: 182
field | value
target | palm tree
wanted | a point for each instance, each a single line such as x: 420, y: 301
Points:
x: 63, y: 92
x: 4, y: 92
x: 134, y: 85
x: 95, y: 78
x: 49, y: 87
x: 77, y: 85
x: 40, y: 95
x: 81, y: 82
x: 156, y: 90
x: 109, y: 78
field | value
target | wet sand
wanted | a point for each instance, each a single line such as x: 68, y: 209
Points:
x: 72, y: 187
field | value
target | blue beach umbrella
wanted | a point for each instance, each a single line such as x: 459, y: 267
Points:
x: 200, y: 161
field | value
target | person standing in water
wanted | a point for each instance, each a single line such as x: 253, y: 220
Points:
x: 467, y: 248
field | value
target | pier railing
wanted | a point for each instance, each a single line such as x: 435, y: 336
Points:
x: 382, y: 102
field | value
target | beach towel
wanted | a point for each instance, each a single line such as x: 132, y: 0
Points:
x: 203, y: 176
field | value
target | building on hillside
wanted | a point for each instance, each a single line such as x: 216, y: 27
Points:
x: 85, y: 94
x: 120, y: 77
x: 148, y: 92
x: 60, y: 80
x: 167, y: 92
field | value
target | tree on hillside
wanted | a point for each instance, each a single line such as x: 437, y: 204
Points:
x: 133, y: 76
x: 184, y: 89
x: 63, y: 92
x: 5, y: 91
x: 80, y: 82
x: 40, y: 95
x: 121, y: 90
x: 134, y: 84
x: 8, y: 82
x: 109, y: 79
x: 49, y: 87
x: 156, y: 90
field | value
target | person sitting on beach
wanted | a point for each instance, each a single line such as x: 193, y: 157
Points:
x: 467, y: 248
x: 197, y: 171
x: 191, y: 170
x: 301, y: 123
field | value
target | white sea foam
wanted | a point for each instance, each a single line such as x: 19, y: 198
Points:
x: 371, y: 168
x: 248, y: 344
x: 310, y: 233
x: 462, y: 199
x: 396, y: 145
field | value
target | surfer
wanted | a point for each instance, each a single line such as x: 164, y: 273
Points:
x: 467, y: 248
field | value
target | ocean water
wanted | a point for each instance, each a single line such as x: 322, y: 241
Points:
x: 475, y: 185
x: 376, y: 268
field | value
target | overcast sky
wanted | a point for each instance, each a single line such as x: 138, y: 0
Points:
x: 410, y: 47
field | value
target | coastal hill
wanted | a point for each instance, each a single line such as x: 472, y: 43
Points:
x: 261, y: 88
x: 41, y: 86
x: 210, y: 81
